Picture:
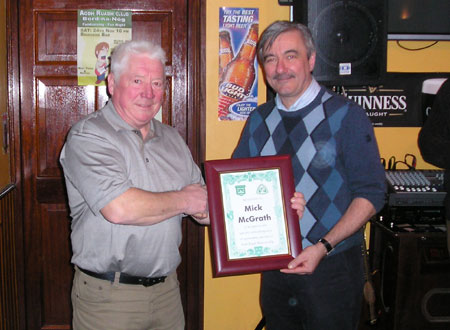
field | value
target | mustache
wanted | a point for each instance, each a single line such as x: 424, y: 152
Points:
x: 281, y: 76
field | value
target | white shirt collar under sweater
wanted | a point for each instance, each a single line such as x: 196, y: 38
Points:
x: 306, y: 98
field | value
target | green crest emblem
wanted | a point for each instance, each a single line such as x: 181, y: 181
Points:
x: 240, y: 190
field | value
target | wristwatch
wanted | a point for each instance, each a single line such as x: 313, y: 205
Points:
x: 327, y: 245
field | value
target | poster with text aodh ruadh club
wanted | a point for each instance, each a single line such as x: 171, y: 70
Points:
x: 99, y: 31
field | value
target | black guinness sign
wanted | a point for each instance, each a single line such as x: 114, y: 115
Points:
x: 396, y: 103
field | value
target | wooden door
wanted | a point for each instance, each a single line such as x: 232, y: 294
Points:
x: 43, y: 66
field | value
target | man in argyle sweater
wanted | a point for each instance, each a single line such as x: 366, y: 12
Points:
x: 337, y: 168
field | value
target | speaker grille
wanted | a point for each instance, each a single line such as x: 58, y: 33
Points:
x: 350, y: 37
x: 345, y: 32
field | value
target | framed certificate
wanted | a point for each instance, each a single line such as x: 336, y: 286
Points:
x: 253, y: 226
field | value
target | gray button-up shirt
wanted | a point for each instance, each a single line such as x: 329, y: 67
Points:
x: 102, y: 158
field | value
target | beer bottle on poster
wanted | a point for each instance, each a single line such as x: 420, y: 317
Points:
x: 226, y: 53
x: 239, y: 74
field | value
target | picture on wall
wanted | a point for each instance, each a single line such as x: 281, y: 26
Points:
x: 238, y: 74
x: 99, y: 31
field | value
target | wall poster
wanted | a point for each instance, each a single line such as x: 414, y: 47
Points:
x: 238, y: 75
x: 99, y: 31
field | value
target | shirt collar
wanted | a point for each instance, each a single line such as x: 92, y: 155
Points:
x: 119, y: 124
x: 306, y: 98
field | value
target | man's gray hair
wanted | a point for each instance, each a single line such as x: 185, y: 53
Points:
x: 121, y: 53
x: 275, y: 29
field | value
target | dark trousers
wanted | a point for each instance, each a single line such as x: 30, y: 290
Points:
x: 329, y: 299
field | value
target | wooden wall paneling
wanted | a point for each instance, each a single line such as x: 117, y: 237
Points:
x: 9, y: 298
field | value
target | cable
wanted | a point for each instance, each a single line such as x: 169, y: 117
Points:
x: 416, y: 49
x: 409, y: 160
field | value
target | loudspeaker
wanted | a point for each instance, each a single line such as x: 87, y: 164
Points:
x: 412, y: 278
x: 350, y: 37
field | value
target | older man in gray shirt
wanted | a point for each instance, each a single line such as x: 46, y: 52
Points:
x: 129, y: 180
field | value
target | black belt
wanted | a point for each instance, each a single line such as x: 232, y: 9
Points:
x: 125, y: 278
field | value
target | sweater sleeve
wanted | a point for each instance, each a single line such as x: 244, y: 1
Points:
x: 434, y: 137
x: 362, y: 159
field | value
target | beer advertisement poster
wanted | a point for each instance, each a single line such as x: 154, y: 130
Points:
x: 403, y: 100
x: 99, y: 31
x: 238, y: 74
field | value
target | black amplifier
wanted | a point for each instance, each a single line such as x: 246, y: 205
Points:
x: 411, y: 272
x: 418, y: 217
x: 413, y: 218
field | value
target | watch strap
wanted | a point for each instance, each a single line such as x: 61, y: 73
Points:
x: 327, y: 245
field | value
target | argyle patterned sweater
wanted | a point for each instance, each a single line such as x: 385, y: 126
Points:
x: 334, y: 156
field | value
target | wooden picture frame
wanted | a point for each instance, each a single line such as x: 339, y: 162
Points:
x: 253, y: 226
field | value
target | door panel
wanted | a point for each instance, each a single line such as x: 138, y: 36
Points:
x: 56, y: 272
x: 56, y: 36
x: 60, y: 103
x: 51, y: 102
